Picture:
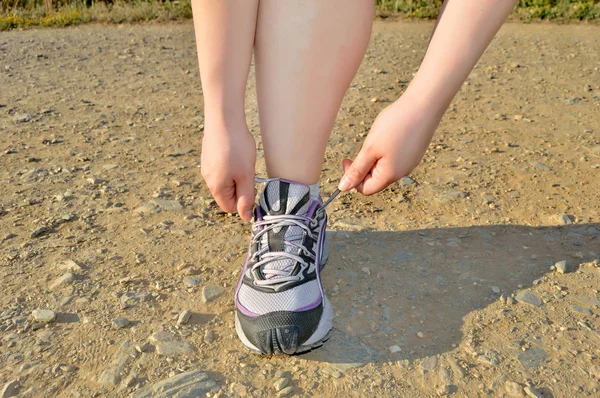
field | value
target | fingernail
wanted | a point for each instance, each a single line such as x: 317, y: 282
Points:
x: 344, y: 184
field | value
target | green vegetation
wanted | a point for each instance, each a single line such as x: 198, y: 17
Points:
x: 28, y: 13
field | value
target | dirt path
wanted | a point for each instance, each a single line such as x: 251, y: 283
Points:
x: 442, y: 284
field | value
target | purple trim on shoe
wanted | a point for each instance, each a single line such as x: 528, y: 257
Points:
x: 311, y: 210
x: 244, y: 310
x: 320, y: 245
x: 310, y: 306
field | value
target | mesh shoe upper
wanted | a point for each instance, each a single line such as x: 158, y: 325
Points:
x: 280, y: 272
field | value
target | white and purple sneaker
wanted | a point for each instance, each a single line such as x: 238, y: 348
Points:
x: 281, y: 307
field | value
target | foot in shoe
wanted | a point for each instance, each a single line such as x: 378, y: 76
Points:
x: 281, y: 307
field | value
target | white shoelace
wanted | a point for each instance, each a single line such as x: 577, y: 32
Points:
x: 271, y: 222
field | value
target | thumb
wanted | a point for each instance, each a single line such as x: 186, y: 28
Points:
x: 244, y: 193
x: 355, y: 172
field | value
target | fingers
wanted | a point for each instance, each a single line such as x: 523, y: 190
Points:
x: 224, y: 195
x: 376, y: 181
x: 245, y: 193
x: 355, y: 172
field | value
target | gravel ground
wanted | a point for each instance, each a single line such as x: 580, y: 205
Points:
x: 117, y: 268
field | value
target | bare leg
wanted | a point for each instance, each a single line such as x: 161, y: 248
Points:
x: 307, y: 53
x: 225, y: 40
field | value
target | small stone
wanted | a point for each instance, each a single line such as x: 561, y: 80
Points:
x: 95, y: 181
x: 22, y: 118
x: 142, y: 348
x: 70, y: 265
x: 420, y: 335
x: 525, y: 296
x: 63, y: 280
x: 429, y: 363
x: 581, y: 310
x: 194, y: 383
x: 111, y: 376
x: 209, y: 336
x: 191, y: 281
x: 406, y: 181
x: 43, y: 230
x: 184, y: 317
x: 211, y: 293
x: 11, y: 389
x: 566, y: 219
x: 336, y: 374
x: 161, y: 337
x: 532, y: 392
x: 532, y: 358
x: 121, y: 323
x: 281, y: 383
x: 495, y: 289
x: 444, y: 390
x: 238, y: 389
x: 174, y: 348
x: 43, y: 315
x: 561, y: 267
x: 286, y: 392
x: 595, y: 372
x: 514, y: 389
x: 168, y: 205
x: 395, y: 348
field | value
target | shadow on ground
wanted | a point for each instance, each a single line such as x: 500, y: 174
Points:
x: 413, y: 288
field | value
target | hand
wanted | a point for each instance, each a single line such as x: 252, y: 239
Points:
x: 395, y: 145
x: 227, y: 164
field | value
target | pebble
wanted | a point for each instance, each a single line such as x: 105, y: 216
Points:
x: 444, y: 390
x: 429, y: 363
x: 174, y: 348
x: 525, y: 296
x: 532, y: 392
x: 71, y: 265
x: 161, y: 337
x: 595, y: 372
x: 169, y: 205
x: 420, y: 335
x: 184, y: 317
x: 514, y: 389
x: 43, y: 315
x: 561, y: 267
x: 495, y: 289
x: 238, y: 389
x: 121, y: 323
x: 209, y: 337
x: 211, y: 293
x: 281, y: 383
x: 285, y: 392
x: 11, y: 389
x: 581, y: 310
x: 532, y: 357
x: 407, y: 181
x: 194, y: 383
x: 191, y: 281
x: 566, y: 219
x: 395, y: 348
x: 111, y: 376
x: 63, y: 280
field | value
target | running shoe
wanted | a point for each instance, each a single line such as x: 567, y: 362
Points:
x: 281, y: 307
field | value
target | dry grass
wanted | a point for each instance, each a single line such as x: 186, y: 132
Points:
x: 48, y: 13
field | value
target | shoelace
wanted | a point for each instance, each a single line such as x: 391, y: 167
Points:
x: 271, y: 222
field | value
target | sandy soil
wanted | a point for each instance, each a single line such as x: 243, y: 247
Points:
x: 443, y: 284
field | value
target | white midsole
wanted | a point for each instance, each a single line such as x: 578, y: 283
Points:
x: 323, y: 328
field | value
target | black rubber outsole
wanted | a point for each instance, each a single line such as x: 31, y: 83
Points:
x: 299, y: 350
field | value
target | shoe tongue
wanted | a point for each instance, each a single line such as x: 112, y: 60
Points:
x: 285, y: 197
x: 280, y: 198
